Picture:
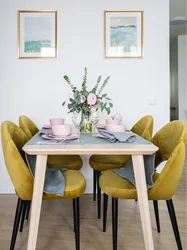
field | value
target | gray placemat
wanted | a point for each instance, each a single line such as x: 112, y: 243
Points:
x: 86, y: 138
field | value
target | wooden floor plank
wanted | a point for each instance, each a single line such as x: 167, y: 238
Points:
x: 56, y: 225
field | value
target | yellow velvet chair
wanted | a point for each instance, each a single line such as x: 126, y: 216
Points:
x: 69, y: 161
x: 13, y: 139
x: 171, y: 141
x: 99, y: 163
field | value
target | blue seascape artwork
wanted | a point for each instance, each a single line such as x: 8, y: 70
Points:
x: 37, y: 34
x: 123, y: 32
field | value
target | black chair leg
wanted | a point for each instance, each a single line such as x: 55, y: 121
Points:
x: 115, y: 222
x: 16, y: 223
x: 74, y: 213
x: 94, y: 184
x: 28, y: 210
x: 105, y: 206
x: 76, y: 222
x: 25, y: 203
x: 173, y: 219
x: 155, y: 204
x: 98, y: 196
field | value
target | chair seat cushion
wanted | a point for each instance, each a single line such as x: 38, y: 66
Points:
x: 73, y: 162
x: 118, y: 187
x: 75, y: 185
x: 105, y: 162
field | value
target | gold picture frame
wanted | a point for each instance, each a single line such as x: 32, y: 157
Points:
x: 123, y: 33
x: 37, y: 34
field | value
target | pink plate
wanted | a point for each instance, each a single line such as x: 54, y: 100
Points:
x: 54, y: 137
x: 101, y: 125
x: 47, y: 126
x: 101, y: 136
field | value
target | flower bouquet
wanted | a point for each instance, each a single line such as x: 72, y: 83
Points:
x: 84, y: 100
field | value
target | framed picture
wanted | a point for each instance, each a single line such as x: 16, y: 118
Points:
x: 123, y: 34
x: 37, y: 34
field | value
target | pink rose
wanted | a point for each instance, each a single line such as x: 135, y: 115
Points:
x: 91, y: 99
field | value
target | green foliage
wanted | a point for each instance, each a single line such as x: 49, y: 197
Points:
x: 84, y: 79
x: 78, y: 102
x: 69, y: 83
x: 97, y: 84
x: 103, y: 85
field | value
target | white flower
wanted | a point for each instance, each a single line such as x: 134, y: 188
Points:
x: 82, y: 98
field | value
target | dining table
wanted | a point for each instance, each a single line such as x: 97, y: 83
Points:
x: 88, y: 146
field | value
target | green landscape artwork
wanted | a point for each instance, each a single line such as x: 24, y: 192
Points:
x: 37, y: 34
x: 123, y: 32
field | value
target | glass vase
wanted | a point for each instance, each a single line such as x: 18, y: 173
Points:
x: 87, y: 128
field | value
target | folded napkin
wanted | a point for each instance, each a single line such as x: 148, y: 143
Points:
x: 54, y: 180
x: 128, y: 173
x: 118, y: 136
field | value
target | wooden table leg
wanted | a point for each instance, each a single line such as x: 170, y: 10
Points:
x: 139, y: 172
x: 36, y: 200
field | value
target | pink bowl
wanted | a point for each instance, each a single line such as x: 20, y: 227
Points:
x: 61, y: 129
x: 112, y: 121
x: 115, y: 128
x: 56, y: 121
x: 118, y: 116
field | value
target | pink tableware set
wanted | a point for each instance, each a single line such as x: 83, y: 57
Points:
x: 62, y: 131
x: 59, y: 130
x: 113, y: 124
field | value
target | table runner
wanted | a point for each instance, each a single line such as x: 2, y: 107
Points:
x: 54, y: 180
x: 128, y: 173
x: 86, y: 138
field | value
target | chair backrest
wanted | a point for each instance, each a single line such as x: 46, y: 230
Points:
x: 27, y: 126
x: 171, y: 141
x: 13, y: 139
x: 144, y: 127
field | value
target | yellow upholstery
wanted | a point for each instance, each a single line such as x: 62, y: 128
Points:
x: 75, y: 186
x: 68, y: 161
x: 172, y: 141
x: 27, y: 126
x: 143, y: 128
x: 13, y: 139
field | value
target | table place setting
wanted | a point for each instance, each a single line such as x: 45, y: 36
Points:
x: 57, y: 132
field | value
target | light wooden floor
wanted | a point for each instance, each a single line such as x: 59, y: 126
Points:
x: 56, y: 225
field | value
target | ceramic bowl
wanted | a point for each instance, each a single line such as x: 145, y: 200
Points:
x: 112, y: 121
x: 56, y: 121
x: 61, y: 129
x: 115, y: 128
x: 118, y: 116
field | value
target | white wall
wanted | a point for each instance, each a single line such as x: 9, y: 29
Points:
x: 182, y: 77
x: 36, y: 87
